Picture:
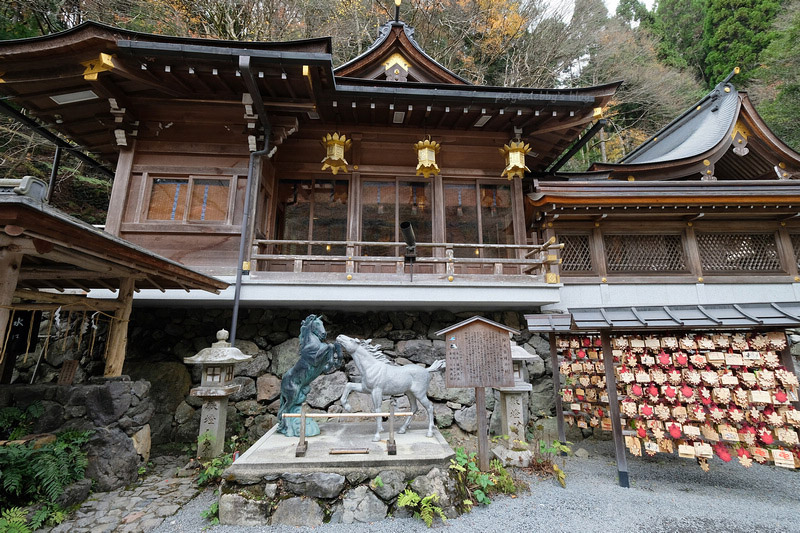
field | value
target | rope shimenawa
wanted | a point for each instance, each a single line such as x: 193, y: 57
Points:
x: 45, y: 351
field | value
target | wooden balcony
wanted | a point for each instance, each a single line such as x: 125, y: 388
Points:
x: 296, y: 261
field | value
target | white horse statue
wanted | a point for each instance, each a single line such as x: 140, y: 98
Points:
x: 381, y: 377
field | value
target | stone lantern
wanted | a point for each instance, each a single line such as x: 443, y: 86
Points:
x: 512, y: 411
x: 215, y: 387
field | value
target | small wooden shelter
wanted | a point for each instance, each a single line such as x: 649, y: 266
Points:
x: 49, y: 260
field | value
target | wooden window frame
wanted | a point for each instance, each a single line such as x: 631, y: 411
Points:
x: 397, y: 181
x: 477, y: 183
x: 147, y: 192
x: 271, y: 220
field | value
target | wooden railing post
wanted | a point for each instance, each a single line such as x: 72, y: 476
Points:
x: 350, y: 265
x: 450, y: 269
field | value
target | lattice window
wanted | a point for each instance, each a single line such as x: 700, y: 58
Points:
x: 644, y: 253
x: 796, y: 246
x: 576, y: 256
x: 726, y: 252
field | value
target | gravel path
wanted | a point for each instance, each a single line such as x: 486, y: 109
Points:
x: 667, y: 494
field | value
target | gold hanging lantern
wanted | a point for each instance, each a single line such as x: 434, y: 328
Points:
x: 426, y: 157
x: 515, y: 153
x: 335, y: 145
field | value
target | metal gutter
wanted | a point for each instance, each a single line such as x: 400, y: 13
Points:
x: 212, y: 52
x: 468, y: 93
x: 53, y: 138
x: 258, y: 103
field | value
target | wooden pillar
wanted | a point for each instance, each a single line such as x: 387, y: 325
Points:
x: 439, y: 232
x: 562, y: 435
x: 692, y: 250
x: 520, y: 231
x: 118, y: 334
x: 598, y: 250
x: 119, y: 190
x: 786, y: 251
x: 613, y: 409
x: 788, y: 361
x: 10, y: 261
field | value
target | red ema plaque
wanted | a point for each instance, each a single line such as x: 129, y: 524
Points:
x: 478, y: 354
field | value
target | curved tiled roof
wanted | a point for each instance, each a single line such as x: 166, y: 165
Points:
x: 695, y: 132
x: 384, y: 34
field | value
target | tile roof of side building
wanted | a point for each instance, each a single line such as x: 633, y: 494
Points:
x: 706, y: 136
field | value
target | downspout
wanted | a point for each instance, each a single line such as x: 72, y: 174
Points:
x: 250, y: 82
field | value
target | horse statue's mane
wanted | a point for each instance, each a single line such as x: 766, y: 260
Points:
x: 311, y: 324
x: 375, y: 351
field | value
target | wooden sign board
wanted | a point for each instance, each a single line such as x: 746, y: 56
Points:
x: 67, y: 374
x: 478, y: 355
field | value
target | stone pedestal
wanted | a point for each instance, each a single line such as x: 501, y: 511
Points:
x: 512, y: 414
x: 213, y: 417
x: 512, y: 411
x: 512, y: 423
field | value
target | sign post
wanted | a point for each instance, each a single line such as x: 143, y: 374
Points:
x: 478, y: 353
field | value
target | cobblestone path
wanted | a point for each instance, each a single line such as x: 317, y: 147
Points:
x: 137, y: 508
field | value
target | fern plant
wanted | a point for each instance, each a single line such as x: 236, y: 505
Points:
x: 39, y: 475
x: 424, y: 508
x: 14, y: 520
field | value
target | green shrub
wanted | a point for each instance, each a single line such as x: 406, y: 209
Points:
x: 212, y: 513
x: 16, y: 423
x: 14, y: 520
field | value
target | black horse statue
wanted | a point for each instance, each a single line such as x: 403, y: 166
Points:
x: 316, y: 357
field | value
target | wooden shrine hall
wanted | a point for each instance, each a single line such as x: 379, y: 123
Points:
x: 264, y: 162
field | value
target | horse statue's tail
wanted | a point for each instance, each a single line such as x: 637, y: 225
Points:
x: 437, y: 366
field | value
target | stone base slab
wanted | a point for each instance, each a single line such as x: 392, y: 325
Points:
x: 274, y: 453
x: 269, y: 485
x: 508, y: 457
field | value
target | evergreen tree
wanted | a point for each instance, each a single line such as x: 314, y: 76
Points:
x: 776, y: 85
x: 678, y: 25
x: 634, y: 11
x: 735, y: 33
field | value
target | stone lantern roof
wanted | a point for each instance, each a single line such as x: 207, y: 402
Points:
x: 220, y: 352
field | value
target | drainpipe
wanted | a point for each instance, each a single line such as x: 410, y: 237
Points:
x: 258, y: 103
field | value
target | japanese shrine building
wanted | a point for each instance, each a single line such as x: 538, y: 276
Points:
x: 706, y: 211
x: 179, y: 119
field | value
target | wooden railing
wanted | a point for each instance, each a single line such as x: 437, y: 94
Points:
x: 431, y: 258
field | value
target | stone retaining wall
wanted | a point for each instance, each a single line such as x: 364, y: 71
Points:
x: 116, y: 410
x: 159, y: 339
x: 311, y: 499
